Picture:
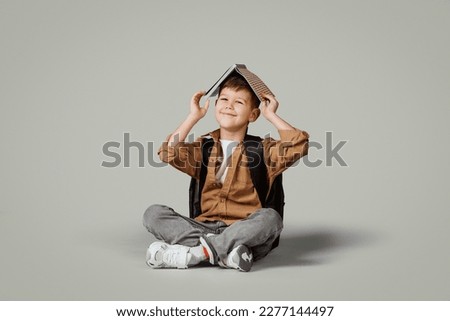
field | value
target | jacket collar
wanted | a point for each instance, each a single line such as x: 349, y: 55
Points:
x: 215, y: 135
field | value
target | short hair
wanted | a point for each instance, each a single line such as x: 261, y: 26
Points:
x: 237, y: 82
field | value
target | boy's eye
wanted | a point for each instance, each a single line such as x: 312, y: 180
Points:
x: 239, y: 102
x: 223, y: 98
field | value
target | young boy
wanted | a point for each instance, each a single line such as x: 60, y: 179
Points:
x: 233, y: 229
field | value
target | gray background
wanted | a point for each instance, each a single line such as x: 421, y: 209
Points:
x: 77, y: 74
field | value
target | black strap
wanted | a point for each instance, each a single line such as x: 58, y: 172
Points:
x: 258, y: 171
x: 196, y: 186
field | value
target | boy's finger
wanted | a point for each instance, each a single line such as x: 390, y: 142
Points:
x: 268, y: 96
x: 266, y: 99
x: 197, y: 96
x: 206, y: 105
x: 199, y: 93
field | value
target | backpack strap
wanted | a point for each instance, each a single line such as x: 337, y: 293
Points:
x: 196, y: 185
x: 258, y: 171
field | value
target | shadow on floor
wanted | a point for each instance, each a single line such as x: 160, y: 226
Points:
x: 312, y: 247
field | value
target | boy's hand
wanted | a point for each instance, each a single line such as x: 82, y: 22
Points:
x: 268, y: 106
x: 198, y: 112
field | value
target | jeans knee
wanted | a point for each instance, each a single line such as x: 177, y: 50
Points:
x: 151, y: 214
x: 273, y: 218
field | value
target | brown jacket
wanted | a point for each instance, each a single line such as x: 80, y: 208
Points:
x: 236, y: 198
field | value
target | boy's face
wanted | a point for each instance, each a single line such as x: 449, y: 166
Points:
x: 234, y: 109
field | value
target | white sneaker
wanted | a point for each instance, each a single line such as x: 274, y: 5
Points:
x: 240, y: 258
x: 163, y: 255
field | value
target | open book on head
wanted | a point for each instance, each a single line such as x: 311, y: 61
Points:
x: 254, y: 81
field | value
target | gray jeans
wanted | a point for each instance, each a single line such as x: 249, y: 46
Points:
x: 258, y: 231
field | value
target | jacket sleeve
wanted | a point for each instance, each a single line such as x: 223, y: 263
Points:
x: 280, y: 154
x: 185, y: 157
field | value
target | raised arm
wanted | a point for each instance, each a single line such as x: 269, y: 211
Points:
x: 293, y: 143
x: 196, y: 113
x: 269, y: 108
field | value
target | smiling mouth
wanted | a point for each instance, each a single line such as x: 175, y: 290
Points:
x: 228, y: 114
